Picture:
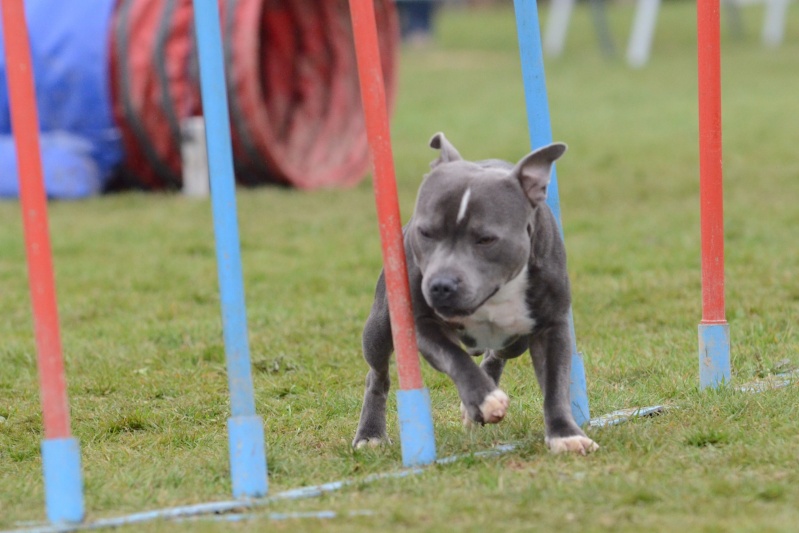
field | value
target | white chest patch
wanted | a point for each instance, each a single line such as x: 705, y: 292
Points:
x: 501, y: 318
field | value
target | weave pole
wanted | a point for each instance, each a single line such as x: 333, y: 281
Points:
x: 539, y: 124
x: 413, y: 400
x: 63, y: 486
x: 245, y: 428
x: 714, y: 332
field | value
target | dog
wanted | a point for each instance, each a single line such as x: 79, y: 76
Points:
x: 487, y: 272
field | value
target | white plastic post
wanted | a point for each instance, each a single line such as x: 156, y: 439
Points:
x: 774, y: 22
x: 194, y: 155
x: 560, y: 12
x: 642, y: 33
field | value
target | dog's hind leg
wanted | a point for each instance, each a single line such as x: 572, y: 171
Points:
x: 377, y: 349
x: 494, y: 361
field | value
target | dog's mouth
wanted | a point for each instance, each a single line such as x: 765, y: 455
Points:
x: 448, y: 312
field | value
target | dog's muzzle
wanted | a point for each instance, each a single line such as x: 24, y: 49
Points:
x: 443, y: 292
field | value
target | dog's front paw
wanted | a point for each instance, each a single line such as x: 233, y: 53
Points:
x: 576, y: 444
x: 492, y: 409
x: 372, y: 442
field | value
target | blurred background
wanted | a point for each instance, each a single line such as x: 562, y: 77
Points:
x: 118, y: 96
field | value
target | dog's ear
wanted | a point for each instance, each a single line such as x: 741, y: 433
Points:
x: 533, y: 171
x: 448, y: 152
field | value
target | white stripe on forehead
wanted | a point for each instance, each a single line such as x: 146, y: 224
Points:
x: 464, y: 205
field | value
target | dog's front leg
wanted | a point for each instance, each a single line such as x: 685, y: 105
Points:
x: 482, y: 401
x: 551, y: 353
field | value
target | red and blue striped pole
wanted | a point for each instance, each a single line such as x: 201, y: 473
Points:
x: 714, y: 332
x: 63, y: 485
x: 245, y: 427
x: 413, y: 400
x: 535, y: 92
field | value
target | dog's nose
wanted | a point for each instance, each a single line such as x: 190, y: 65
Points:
x: 443, y: 288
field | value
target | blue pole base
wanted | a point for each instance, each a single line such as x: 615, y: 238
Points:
x: 247, y: 456
x: 578, y: 391
x: 714, y: 355
x: 63, y: 485
x: 417, y: 437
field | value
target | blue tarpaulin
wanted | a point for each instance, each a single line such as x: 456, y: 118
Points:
x: 79, y: 142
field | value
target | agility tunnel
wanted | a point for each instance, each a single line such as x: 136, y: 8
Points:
x: 116, y: 78
x: 292, y: 81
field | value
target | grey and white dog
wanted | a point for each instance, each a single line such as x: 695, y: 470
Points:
x: 487, y: 270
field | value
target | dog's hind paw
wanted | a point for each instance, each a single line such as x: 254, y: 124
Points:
x: 372, y: 442
x: 493, y: 409
x: 576, y: 444
x: 467, y: 422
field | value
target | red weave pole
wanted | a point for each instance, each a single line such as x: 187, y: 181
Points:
x: 24, y: 121
x: 377, y: 129
x: 711, y: 193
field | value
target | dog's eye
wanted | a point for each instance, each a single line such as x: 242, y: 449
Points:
x: 486, y: 240
x: 425, y: 233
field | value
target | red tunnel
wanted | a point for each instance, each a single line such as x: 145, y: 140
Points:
x: 295, y: 106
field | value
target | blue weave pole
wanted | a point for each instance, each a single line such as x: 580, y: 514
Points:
x: 245, y: 428
x: 417, y: 433
x: 63, y: 485
x: 714, y: 355
x: 535, y: 91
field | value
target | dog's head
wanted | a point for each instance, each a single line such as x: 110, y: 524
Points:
x: 473, y: 223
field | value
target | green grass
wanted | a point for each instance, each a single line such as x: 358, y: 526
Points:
x: 140, y: 320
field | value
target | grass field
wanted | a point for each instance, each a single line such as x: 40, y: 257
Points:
x: 139, y: 310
